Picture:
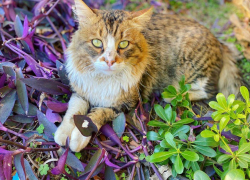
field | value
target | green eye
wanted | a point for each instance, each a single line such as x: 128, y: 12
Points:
x: 97, y: 43
x: 123, y: 44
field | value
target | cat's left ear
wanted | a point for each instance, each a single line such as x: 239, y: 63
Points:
x: 142, y: 17
x: 85, y: 15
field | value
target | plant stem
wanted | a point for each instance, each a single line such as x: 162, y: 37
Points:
x: 96, y: 164
x: 226, y: 145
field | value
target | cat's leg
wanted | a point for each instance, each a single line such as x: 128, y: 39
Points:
x: 198, y: 90
x: 77, y: 106
x: 99, y: 116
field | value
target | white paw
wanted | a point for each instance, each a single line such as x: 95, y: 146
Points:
x: 78, y: 141
x: 62, y: 132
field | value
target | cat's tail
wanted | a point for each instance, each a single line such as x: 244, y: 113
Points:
x: 230, y: 76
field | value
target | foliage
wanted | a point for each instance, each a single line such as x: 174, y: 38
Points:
x: 34, y: 91
x: 43, y: 169
x: 210, y: 147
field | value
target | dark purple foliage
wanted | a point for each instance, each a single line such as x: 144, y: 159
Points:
x: 34, y: 90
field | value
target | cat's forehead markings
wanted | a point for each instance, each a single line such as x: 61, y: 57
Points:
x: 113, y: 19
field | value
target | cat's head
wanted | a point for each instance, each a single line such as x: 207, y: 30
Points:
x: 108, y: 42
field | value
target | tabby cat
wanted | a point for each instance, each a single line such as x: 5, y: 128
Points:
x: 116, y: 57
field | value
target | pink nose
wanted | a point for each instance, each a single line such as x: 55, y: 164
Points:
x: 110, y: 63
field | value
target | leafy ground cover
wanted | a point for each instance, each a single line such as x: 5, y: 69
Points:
x: 181, y: 140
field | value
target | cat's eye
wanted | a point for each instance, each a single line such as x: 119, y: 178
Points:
x: 123, y: 44
x: 97, y: 43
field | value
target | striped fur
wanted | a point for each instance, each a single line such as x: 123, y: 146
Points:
x: 161, y: 49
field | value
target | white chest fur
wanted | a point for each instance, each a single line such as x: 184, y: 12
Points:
x: 102, y: 90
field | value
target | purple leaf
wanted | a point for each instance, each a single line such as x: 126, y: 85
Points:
x: 45, y: 85
x: 18, y: 26
x: 10, y: 71
x: 21, y: 119
x: 7, y: 64
x: 6, y: 105
x: 109, y: 173
x: 19, y: 110
x: 71, y: 160
x: 22, y: 91
x: 61, y: 162
x: 25, y: 27
x: 33, y: 65
x: 1, y: 168
x: 93, y: 161
x: 4, y: 151
x: 29, y: 42
x: 89, y: 129
x: 7, y: 165
x: 119, y: 124
x: 57, y: 106
x: 53, y: 117
x: 51, y: 56
x: 2, y: 80
x: 19, y: 165
x: 107, y: 162
x: 29, y: 172
x: 110, y: 133
x: 49, y: 128
x: 4, y: 90
x: 62, y: 72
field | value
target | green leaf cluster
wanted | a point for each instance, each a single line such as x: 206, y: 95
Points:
x: 187, y: 155
x: 231, y: 115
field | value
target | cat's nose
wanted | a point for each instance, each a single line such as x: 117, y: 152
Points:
x: 110, y: 62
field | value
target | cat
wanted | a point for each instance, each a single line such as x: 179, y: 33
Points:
x: 116, y: 57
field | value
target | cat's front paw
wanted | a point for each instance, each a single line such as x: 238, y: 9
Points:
x: 62, y: 132
x: 78, y: 141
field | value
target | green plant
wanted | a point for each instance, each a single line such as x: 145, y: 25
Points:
x: 43, y: 169
x: 187, y: 151
x: 175, y: 144
x: 231, y: 115
x: 40, y: 128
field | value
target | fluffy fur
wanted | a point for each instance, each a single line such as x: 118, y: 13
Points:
x: 161, y: 49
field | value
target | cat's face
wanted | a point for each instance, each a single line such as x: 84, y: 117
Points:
x: 108, y: 42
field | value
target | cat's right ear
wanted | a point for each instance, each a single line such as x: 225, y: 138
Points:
x: 84, y: 14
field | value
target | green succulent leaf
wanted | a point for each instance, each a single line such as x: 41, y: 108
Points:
x: 153, y: 136
x: 207, y: 133
x: 216, y: 106
x: 245, y: 157
x: 170, y: 139
x: 160, y: 112
x: 235, y: 174
x: 223, y: 158
x: 207, y: 151
x: 206, y: 141
x: 155, y: 123
x: 190, y: 155
x: 242, y: 163
x: 223, y: 122
x: 244, y: 148
x: 230, y: 100
x: 245, y: 93
x: 221, y: 100
x: 178, y: 165
x: 232, y: 164
x: 172, y: 90
x: 184, y: 121
x: 200, y: 175
x: 160, y: 156
x: 168, y: 112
